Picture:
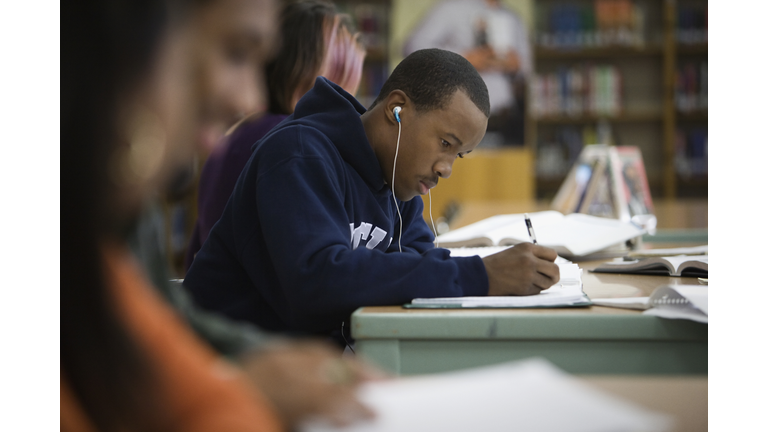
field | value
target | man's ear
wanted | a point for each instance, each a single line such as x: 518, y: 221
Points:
x: 397, y: 98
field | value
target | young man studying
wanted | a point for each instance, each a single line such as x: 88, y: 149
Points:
x: 312, y: 230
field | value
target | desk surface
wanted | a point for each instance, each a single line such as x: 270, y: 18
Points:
x: 590, y: 340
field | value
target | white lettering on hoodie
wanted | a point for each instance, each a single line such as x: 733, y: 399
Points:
x: 363, y: 232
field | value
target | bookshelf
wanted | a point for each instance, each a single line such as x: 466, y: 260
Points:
x: 372, y: 18
x: 626, y: 72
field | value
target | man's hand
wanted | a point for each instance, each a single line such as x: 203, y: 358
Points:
x: 310, y: 380
x: 525, y: 269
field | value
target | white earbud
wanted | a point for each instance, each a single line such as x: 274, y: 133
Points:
x: 396, y: 111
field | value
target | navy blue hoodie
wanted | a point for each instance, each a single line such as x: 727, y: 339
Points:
x: 310, y: 231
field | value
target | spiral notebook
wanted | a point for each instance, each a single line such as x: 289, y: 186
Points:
x: 667, y: 301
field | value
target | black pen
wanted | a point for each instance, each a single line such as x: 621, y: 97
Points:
x: 529, y: 225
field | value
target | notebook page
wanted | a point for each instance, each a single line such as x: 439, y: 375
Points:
x: 567, y: 291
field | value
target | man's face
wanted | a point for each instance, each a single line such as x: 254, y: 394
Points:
x: 431, y: 141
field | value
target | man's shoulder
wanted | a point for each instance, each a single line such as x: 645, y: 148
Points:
x: 296, y: 139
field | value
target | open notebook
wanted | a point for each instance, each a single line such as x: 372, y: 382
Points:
x: 667, y: 301
x: 567, y: 293
x: 573, y: 236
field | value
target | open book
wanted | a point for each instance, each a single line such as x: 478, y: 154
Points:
x: 679, y: 265
x: 566, y: 293
x: 668, y: 301
x: 575, y: 235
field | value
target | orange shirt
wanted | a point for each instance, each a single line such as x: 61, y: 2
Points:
x: 201, y: 391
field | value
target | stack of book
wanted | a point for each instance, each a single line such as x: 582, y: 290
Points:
x: 606, y: 181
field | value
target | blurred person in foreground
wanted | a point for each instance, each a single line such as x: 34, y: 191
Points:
x: 316, y: 41
x: 141, y: 81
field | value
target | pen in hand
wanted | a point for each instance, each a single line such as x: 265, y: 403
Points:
x: 529, y: 225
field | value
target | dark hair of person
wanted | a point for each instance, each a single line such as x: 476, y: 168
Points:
x: 107, y: 47
x: 431, y: 76
x: 304, y: 28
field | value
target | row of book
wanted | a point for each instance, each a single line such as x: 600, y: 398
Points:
x: 691, y: 152
x: 692, y: 24
x: 603, y: 23
x: 576, y: 91
x: 691, y: 87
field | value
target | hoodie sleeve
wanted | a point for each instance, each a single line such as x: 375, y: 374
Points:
x: 301, y: 206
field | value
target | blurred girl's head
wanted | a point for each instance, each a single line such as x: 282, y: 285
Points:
x: 316, y: 41
x: 140, y: 80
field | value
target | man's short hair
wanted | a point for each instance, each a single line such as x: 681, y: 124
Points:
x: 431, y: 76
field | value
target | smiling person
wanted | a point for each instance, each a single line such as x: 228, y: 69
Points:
x: 323, y: 219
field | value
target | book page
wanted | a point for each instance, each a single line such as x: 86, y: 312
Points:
x: 647, y: 253
x: 677, y: 261
x: 528, y: 395
x: 477, y: 230
x: 517, y: 232
x: 581, y: 234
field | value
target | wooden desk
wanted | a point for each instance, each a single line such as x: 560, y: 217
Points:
x: 592, y: 340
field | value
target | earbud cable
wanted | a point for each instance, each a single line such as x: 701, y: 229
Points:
x: 437, y: 243
x: 394, y: 165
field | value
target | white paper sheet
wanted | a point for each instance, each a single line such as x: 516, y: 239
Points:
x: 529, y: 395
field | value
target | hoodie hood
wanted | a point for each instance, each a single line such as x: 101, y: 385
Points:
x: 336, y: 113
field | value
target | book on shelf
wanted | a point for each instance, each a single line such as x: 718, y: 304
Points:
x: 678, y: 265
x: 578, y: 90
x: 604, y: 23
x: 572, y: 236
x: 667, y: 301
x: 566, y: 293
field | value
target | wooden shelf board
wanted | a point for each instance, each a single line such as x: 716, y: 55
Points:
x: 692, y: 116
x: 621, y: 118
x: 693, y: 181
x: 611, y: 51
x: 686, y: 49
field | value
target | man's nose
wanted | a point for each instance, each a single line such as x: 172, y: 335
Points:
x: 443, y: 168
